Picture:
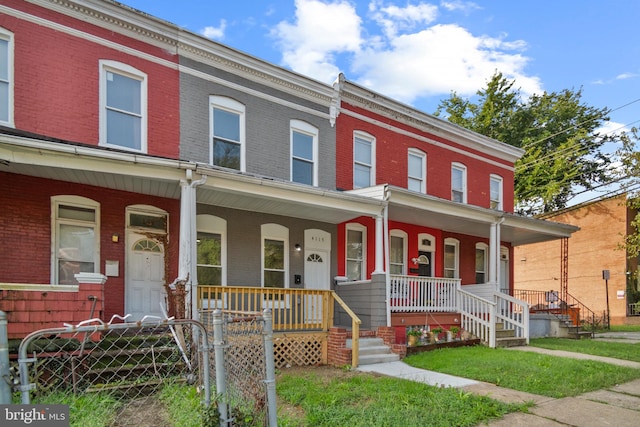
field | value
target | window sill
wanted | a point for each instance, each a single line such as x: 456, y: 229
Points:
x: 37, y: 287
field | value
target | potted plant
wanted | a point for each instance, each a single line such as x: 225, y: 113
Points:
x: 454, y: 331
x: 435, y: 333
x: 413, y: 336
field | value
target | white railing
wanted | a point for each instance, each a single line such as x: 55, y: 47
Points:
x: 513, y: 313
x: 423, y: 294
x: 477, y: 316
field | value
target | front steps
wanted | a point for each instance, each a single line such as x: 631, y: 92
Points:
x: 373, y: 350
x: 507, y: 337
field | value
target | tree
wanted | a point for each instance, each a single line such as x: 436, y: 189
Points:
x: 562, y: 149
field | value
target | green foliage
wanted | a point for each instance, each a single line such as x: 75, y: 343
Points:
x: 87, y: 410
x: 367, y: 400
x: 624, y: 351
x: 562, y: 150
x: 520, y: 370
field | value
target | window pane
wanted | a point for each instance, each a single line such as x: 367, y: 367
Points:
x: 226, y: 125
x: 361, y: 176
x: 354, y: 244
x: 273, y: 254
x: 76, y: 243
x: 302, y: 146
x: 274, y: 279
x: 449, y: 256
x: 456, y: 196
x: 226, y: 154
x: 124, y: 130
x: 396, y: 254
x: 209, y: 249
x: 415, y: 166
x: 4, y: 102
x: 302, y: 172
x: 456, y: 179
x: 354, y: 270
x: 209, y: 275
x: 74, y: 212
x: 68, y: 269
x: 414, y: 185
x: 148, y: 221
x: 362, y: 151
x: 4, y: 60
x: 495, y: 189
x: 123, y: 93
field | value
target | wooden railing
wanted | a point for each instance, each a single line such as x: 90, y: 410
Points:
x: 422, y: 294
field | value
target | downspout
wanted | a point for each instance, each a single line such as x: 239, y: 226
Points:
x: 187, y: 268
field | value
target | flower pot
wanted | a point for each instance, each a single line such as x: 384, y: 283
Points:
x: 413, y: 340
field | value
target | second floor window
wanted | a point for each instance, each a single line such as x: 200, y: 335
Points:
x: 417, y: 170
x: 123, y: 102
x: 495, y: 196
x: 227, y: 133
x: 363, y: 156
x: 304, y: 142
x: 458, y: 183
x: 6, y: 78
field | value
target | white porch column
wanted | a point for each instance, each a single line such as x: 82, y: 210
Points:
x: 379, y: 245
x: 494, y: 254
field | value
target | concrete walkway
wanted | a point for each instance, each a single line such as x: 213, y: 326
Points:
x: 617, y: 406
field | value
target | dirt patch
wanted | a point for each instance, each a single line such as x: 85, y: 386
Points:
x: 146, y: 412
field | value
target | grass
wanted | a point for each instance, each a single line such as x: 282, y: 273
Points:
x: 359, y: 399
x: 88, y: 410
x: 519, y: 370
x: 624, y: 351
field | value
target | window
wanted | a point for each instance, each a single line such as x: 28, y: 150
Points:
x: 356, y: 251
x: 481, y: 263
x: 495, y: 197
x: 275, y: 256
x: 76, y: 238
x: 397, y: 252
x: 363, y: 160
x: 458, y: 183
x: 304, y: 152
x: 417, y: 171
x: 451, y: 258
x: 123, y: 106
x: 6, y: 78
x: 227, y: 139
x: 211, y: 250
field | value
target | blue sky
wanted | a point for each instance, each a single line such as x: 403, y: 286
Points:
x: 418, y: 52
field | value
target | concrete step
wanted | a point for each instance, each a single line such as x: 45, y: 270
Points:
x: 510, y: 342
x: 377, y: 358
x: 373, y: 350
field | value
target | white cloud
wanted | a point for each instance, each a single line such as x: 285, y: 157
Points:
x: 402, y: 52
x: 216, y: 33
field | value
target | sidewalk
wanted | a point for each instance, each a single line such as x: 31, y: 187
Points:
x: 617, y: 406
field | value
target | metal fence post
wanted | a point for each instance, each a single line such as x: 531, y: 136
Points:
x: 270, y: 380
x: 218, y: 350
x: 5, y: 375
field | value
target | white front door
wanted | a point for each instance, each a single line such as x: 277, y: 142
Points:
x: 145, y: 293
x: 317, y: 271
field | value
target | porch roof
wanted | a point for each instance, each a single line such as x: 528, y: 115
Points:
x: 39, y: 156
x: 421, y: 209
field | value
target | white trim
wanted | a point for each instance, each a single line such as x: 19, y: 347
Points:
x: 405, y: 238
x: 354, y: 226
x: 365, y: 137
x: 208, y: 223
x: 280, y: 233
x: 500, y: 201
x: 9, y: 37
x: 232, y: 106
x: 485, y: 248
x: 462, y: 169
x: 108, y: 66
x: 77, y: 201
x: 450, y: 241
x: 304, y: 128
x: 423, y: 169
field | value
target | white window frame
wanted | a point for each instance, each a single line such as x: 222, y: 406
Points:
x: 368, y: 138
x: 79, y: 202
x: 405, y: 237
x: 459, y: 167
x: 280, y: 233
x: 455, y: 243
x: 304, y: 128
x: 206, y: 223
x: 363, y: 261
x: 422, y: 180
x: 9, y: 38
x: 235, y: 107
x: 497, y: 204
x: 485, y: 248
x: 115, y: 67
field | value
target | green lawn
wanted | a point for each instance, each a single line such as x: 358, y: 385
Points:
x: 519, y: 370
x: 625, y: 351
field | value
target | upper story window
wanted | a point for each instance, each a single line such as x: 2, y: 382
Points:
x: 398, y: 252
x: 211, y: 250
x: 275, y: 256
x: 495, y: 192
x: 76, y: 238
x: 304, y: 153
x: 451, y: 258
x: 417, y: 171
x: 481, y: 263
x: 356, y: 251
x: 123, y: 106
x: 458, y: 183
x: 227, y: 133
x: 6, y: 78
x: 363, y: 160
